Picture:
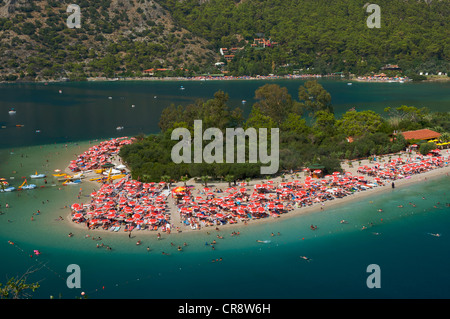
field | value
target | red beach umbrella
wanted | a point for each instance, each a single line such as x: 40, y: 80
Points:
x: 111, y: 215
x: 128, y: 210
x: 76, y: 206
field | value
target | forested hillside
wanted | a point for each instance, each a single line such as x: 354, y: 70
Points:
x: 330, y: 36
x: 117, y: 37
x: 125, y: 37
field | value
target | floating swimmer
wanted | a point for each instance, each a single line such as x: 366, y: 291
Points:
x: 435, y: 235
x: 37, y: 252
x: 305, y: 258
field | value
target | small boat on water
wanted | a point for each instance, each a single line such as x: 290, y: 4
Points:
x: 244, y: 101
x: 7, y: 189
x: 25, y: 185
x: 29, y: 186
x: 119, y: 128
x: 75, y: 182
x: 60, y: 175
x: 38, y: 175
x: 4, y: 186
x: 12, y: 111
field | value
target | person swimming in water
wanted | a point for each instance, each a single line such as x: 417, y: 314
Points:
x: 305, y: 258
x: 435, y: 235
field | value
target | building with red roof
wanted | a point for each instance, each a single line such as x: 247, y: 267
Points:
x: 424, y: 134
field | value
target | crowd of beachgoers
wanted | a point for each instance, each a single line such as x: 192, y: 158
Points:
x: 258, y: 77
x: 129, y: 205
x: 399, y: 168
x: 219, y: 77
x: 399, y: 79
x: 99, y: 155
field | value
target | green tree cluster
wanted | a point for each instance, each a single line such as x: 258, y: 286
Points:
x: 319, y: 137
x: 322, y: 36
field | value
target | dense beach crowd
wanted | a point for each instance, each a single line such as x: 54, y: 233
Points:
x: 399, y: 79
x: 398, y: 168
x: 99, y: 155
x: 133, y: 205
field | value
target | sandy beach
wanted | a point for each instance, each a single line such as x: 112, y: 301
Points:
x: 196, y: 188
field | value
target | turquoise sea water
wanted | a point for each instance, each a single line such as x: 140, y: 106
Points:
x: 413, y: 263
x: 84, y: 111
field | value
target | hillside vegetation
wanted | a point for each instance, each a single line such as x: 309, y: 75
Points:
x: 116, y: 37
x: 125, y: 37
x: 329, y: 36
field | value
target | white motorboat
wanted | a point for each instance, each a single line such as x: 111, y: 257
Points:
x: 38, y: 175
x: 7, y: 189
x: 12, y: 111
x: 75, y: 182
x: 29, y: 186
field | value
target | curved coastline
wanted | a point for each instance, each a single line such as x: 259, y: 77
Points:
x: 295, y: 212
x: 315, y: 208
